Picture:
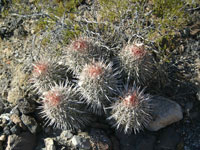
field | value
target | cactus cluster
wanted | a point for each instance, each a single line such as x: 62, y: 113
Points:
x: 98, y: 87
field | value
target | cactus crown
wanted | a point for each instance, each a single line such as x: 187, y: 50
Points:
x: 131, y: 100
x: 95, y: 70
x: 52, y: 97
x: 80, y: 45
x: 40, y: 68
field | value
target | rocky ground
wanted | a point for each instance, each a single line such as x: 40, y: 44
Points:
x: 176, y: 124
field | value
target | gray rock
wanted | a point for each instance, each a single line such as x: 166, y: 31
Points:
x: 165, y: 112
x: 66, y: 135
x: 81, y: 142
x: 49, y: 144
x: 30, y: 123
x: 26, y: 106
x: 24, y: 141
x: 2, y: 138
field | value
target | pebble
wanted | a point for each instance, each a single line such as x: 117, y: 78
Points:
x: 66, y: 135
x: 4, y: 122
x: 81, y: 142
x: 15, y: 118
x: 5, y: 117
x: 49, y: 144
x: 165, y: 112
x: 2, y: 138
x: 30, y: 123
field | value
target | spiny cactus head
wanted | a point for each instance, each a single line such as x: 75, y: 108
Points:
x: 55, y: 95
x: 131, y: 111
x: 40, y: 68
x: 98, y: 83
x: 136, y: 50
x: 81, y: 44
x: 53, y: 98
x: 137, y: 63
x: 94, y: 70
x: 131, y: 100
x: 62, y: 108
x: 45, y: 71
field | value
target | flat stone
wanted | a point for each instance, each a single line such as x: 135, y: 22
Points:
x: 49, y: 144
x: 66, y: 135
x: 81, y: 142
x: 165, y: 112
x: 30, y: 123
x: 24, y: 141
